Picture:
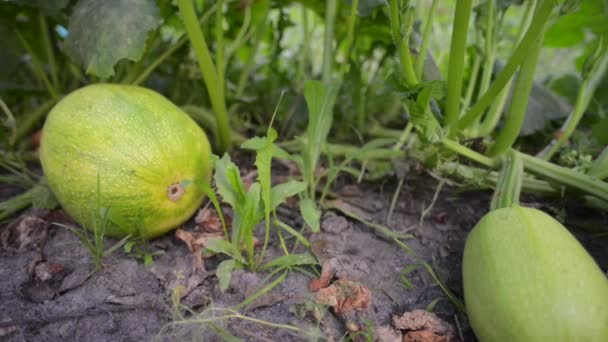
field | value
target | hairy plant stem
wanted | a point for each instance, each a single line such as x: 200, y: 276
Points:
x: 209, y: 72
x: 490, y: 121
x: 401, y: 36
x: 426, y: 34
x: 456, y: 67
x: 535, y: 30
x: 519, y: 103
x: 565, y: 176
x: 509, y: 182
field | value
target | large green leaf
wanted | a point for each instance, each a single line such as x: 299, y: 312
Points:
x: 101, y: 33
x: 571, y: 29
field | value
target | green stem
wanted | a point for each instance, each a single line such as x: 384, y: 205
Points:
x: 401, y: 36
x: 28, y: 121
x: 146, y: 73
x: 305, y: 57
x: 48, y: 48
x: 330, y: 17
x: 426, y: 39
x: 468, y: 153
x: 521, y: 53
x: 38, y: 69
x: 492, y: 118
x: 509, y: 183
x: 472, y: 83
x: 456, y: 67
x: 489, y: 48
x: 209, y: 72
x: 350, y: 31
x: 519, y: 103
x: 219, y: 43
x: 565, y: 176
x: 583, y: 99
x: 16, y: 204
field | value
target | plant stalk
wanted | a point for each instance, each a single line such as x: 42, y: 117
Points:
x: 535, y: 30
x: 456, y: 67
x: 209, y: 72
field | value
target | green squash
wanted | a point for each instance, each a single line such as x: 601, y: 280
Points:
x: 526, y: 278
x: 126, y: 151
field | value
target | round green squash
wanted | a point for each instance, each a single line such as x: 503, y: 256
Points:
x: 526, y: 278
x: 125, y: 153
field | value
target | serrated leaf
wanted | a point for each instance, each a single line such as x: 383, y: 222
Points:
x: 285, y: 190
x: 310, y: 214
x: 291, y: 260
x: 427, y: 126
x: 101, y: 33
x: 224, y: 273
x: 228, y: 181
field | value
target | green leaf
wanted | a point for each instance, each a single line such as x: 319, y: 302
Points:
x: 427, y: 126
x: 291, y: 260
x: 285, y: 190
x: 220, y: 245
x: 101, y: 33
x: 600, y: 131
x: 228, y: 181
x: 43, y: 198
x: 320, y: 99
x: 310, y: 214
x: 148, y: 259
x: 571, y: 29
x: 224, y: 273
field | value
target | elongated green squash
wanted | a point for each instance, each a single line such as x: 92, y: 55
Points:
x: 127, y: 150
x: 526, y: 278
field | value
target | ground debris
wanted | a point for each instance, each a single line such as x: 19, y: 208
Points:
x: 196, y: 241
x: 423, y: 326
x: 27, y: 232
x: 345, y: 295
x: 208, y: 221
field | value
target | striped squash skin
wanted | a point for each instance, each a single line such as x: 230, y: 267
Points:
x: 140, y: 147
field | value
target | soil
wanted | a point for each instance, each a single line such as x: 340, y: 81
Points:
x: 48, y: 291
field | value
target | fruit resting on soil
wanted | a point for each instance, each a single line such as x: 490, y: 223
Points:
x: 526, y: 278
x: 144, y: 151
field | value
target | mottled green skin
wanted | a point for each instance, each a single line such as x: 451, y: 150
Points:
x: 526, y: 278
x: 139, y: 144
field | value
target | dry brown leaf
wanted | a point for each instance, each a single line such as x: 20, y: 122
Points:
x: 423, y: 326
x: 327, y: 274
x: 344, y: 295
x: 196, y: 242
x: 208, y: 221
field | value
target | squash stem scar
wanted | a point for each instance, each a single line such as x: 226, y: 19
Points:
x: 175, y: 191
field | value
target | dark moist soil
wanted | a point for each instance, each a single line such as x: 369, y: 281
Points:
x: 49, y: 293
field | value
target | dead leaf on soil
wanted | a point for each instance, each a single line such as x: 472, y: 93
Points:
x: 196, y: 242
x: 328, y: 272
x: 24, y: 233
x: 386, y: 333
x: 208, y: 221
x: 424, y: 326
x: 344, y: 295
